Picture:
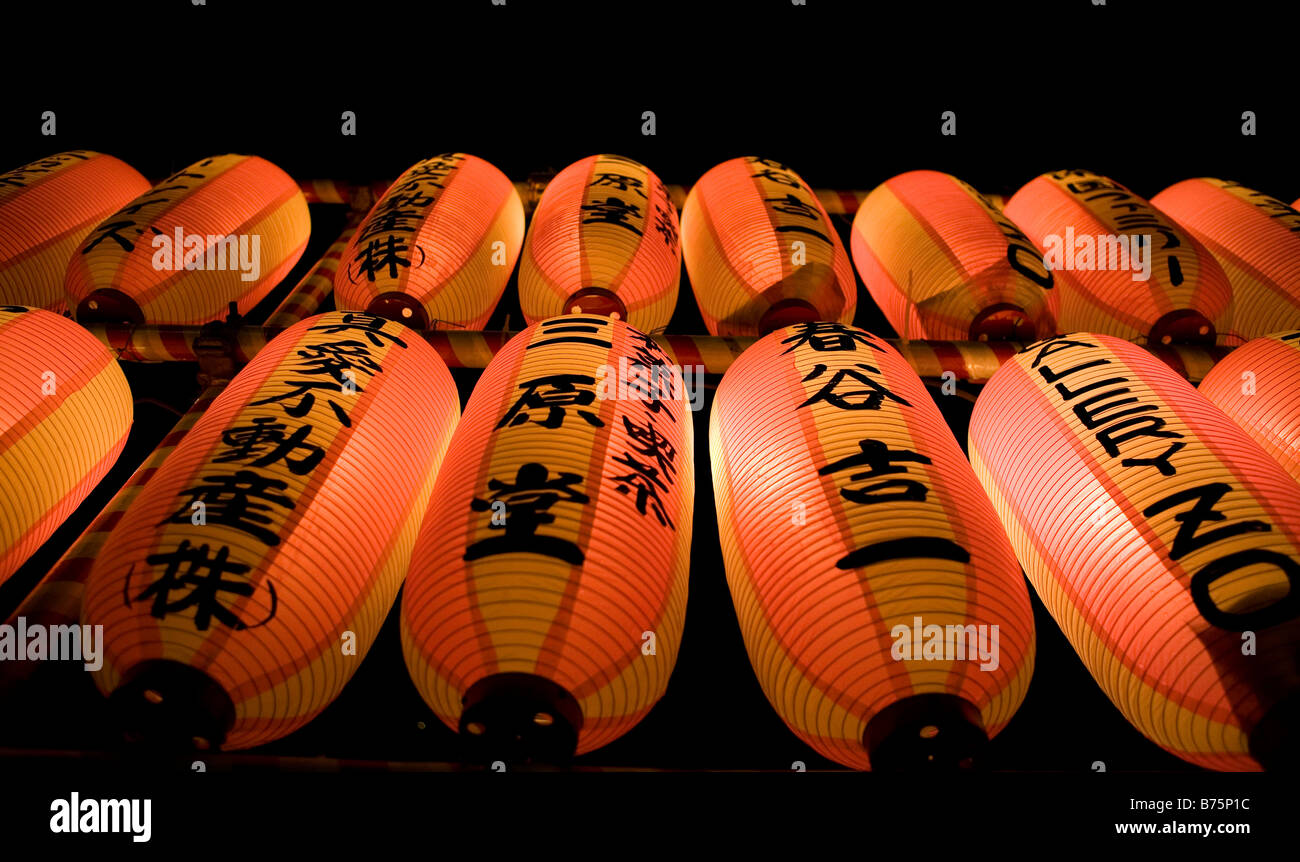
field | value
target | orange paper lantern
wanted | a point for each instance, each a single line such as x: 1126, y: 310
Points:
x: 438, y: 247
x: 880, y: 602
x: 224, y: 230
x: 547, y: 591
x: 65, y: 413
x: 244, y: 585
x: 1121, y: 266
x: 943, y: 263
x: 603, y: 240
x: 1256, y: 385
x: 1163, y: 540
x: 1255, y: 238
x: 46, y: 209
x: 761, y: 251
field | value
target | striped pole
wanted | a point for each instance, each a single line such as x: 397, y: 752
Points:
x: 317, y: 285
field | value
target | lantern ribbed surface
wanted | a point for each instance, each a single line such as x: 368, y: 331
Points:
x: 603, y: 239
x: 1255, y: 238
x: 555, y: 550
x: 65, y: 413
x: 1157, y: 533
x: 274, y: 537
x: 944, y: 263
x: 438, y: 247
x: 845, y: 509
x: 761, y: 250
x: 1085, y: 225
x: 46, y: 209
x: 222, y: 230
x: 1258, y: 386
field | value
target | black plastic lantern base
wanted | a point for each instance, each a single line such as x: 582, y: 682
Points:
x: 926, y: 732
x: 519, y: 718
x: 169, y: 706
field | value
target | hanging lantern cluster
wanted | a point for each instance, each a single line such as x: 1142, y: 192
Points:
x: 603, y: 240
x: 223, y: 230
x: 881, y: 604
x: 761, y: 251
x: 46, y: 209
x: 243, y: 586
x: 438, y: 248
x: 544, y: 608
x: 942, y: 262
x: 1162, y: 539
x: 65, y: 413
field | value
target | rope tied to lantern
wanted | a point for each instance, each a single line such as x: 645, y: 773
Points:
x: 761, y: 251
x: 1121, y: 267
x: 245, y: 583
x: 603, y: 240
x: 943, y: 262
x: 1157, y: 533
x: 879, y: 599
x: 223, y: 231
x: 437, y: 248
x: 544, y: 609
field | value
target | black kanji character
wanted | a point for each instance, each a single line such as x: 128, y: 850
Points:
x: 527, y: 506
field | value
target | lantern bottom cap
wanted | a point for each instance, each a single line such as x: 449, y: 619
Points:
x: 1003, y: 321
x: 1184, y: 326
x: 167, y: 705
x: 926, y: 732
x: 400, y: 307
x: 108, y: 305
x: 597, y: 301
x: 519, y: 718
x: 1272, y: 742
x: 788, y: 312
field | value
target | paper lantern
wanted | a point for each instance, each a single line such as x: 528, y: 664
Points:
x: 547, y: 591
x: 244, y: 585
x: 1255, y: 238
x: 224, y: 230
x: 1256, y: 385
x: 438, y: 247
x: 603, y: 240
x: 867, y: 567
x: 761, y: 251
x: 65, y: 413
x: 943, y: 263
x: 1121, y: 267
x: 1162, y: 539
x: 46, y: 209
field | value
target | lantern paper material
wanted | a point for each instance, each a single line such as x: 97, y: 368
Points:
x: 65, y: 413
x: 1255, y: 238
x: 944, y: 263
x: 1258, y: 386
x: 761, y: 251
x: 245, y: 583
x: 46, y: 209
x: 1157, y: 533
x: 847, y: 510
x: 1121, y: 267
x: 224, y: 230
x: 552, y: 566
x: 438, y: 247
x: 603, y: 240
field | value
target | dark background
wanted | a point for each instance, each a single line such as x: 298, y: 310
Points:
x: 846, y: 94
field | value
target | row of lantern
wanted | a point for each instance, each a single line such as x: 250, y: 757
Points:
x: 1203, y: 261
x: 544, y: 536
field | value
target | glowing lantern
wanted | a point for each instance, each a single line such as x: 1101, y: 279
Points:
x: 1255, y: 238
x: 224, y: 230
x: 856, y: 541
x: 943, y: 263
x: 762, y: 252
x: 1256, y: 386
x: 438, y: 247
x: 46, y: 209
x: 65, y: 413
x: 1121, y: 267
x: 544, y: 608
x: 1160, y: 537
x: 603, y: 240
x: 244, y: 585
